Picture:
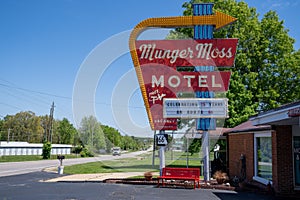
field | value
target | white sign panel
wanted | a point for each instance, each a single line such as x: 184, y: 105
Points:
x: 193, y: 135
x: 195, y: 108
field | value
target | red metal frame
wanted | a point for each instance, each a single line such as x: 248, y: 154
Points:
x: 190, y: 174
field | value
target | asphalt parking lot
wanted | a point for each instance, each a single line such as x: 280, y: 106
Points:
x: 34, y: 186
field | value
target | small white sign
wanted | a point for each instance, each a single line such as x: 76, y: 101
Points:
x: 195, y: 108
x: 162, y: 139
x: 193, y: 135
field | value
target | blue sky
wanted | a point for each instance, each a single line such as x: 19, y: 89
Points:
x: 46, y: 45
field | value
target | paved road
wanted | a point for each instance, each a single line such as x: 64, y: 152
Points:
x: 32, y: 186
x: 15, y: 168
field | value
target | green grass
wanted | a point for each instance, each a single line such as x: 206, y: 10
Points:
x: 139, y: 164
x: 89, y: 168
x: 142, y: 163
x: 30, y: 158
x: 19, y: 158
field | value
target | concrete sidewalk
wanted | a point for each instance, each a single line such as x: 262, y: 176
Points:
x: 94, y: 177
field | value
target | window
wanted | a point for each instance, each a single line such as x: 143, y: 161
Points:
x: 263, y: 158
x: 297, y: 160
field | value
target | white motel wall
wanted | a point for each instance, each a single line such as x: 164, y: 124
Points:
x: 25, y: 148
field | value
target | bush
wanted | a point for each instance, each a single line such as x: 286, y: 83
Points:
x: 46, y: 150
x: 221, y: 177
x: 148, y: 176
x: 77, y: 149
x: 86, y: 153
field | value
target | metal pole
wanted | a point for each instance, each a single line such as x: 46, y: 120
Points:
x: 161, y: 159
x: 187, y: 152
x: 205, y: 145
x: 204, y: 32
x: 153, y: 153
x: 161, y: 155
x: 172, y: 145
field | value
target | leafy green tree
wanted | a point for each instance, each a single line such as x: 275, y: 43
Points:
x: 24, y: 126
x: 2, y: 131
x: 131, y: 143
x: 91, y: 134
x: 266, y: 73
x: 195, y: 146
x: 66, y: 131
x: 45, y: 123
x: 113, y: 137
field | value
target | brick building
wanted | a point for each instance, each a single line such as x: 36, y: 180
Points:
x: 266, y: 149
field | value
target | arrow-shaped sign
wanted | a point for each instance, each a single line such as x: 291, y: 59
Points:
x: 218, y: 19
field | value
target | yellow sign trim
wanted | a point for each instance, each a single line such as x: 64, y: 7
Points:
x: 218, y: 19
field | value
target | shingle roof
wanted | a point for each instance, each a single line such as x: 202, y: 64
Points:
x: 246, y: 127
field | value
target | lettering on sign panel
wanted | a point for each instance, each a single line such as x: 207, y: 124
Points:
x: 195, y: 108
x: 159, y: 76
x: 173, y: 53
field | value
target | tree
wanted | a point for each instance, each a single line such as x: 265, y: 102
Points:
x: 2, y: 131
x: 45, y: 124
x: 91, y: 134
x: 24, y: 126
x: 195, y: 146
x: 113, y: 137
x: 267, y: 68
x: 130, y: 143
x: 66, y: 131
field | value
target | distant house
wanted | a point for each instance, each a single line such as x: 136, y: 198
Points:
x: 266, y: 149
x: 25, y: 148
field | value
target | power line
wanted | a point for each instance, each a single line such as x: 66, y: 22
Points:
x: 33, y: 91
x: 10, y: 105
x: 64, y: 97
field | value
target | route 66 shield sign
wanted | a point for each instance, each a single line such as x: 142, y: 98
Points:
x: 162, y: 139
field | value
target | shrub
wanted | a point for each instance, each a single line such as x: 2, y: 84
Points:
x: 220, y: 176
x: 46, y: 150
x: 86, y: 153
x: 148, y: 176
x: 77, y: 149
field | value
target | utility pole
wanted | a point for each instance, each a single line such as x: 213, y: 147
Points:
x: 51, y: 123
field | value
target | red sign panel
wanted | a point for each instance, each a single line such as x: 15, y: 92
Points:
x: 155, y: 99
x: 174, y: 53
x: 163, y: 77
x: 164, y: 82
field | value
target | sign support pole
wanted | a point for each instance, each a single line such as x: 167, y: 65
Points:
x: 205, y: 152
x: 153, y: 153
x: 161, y: 155
x: 162, y: 159
x: 187, y: 152
x: 204, y: 32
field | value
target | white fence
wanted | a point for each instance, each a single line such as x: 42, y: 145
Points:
x: 25, y: 148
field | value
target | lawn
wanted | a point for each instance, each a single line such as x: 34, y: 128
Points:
x: 31, y: 158
x: 142, y: 163
x: 138, y: 164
